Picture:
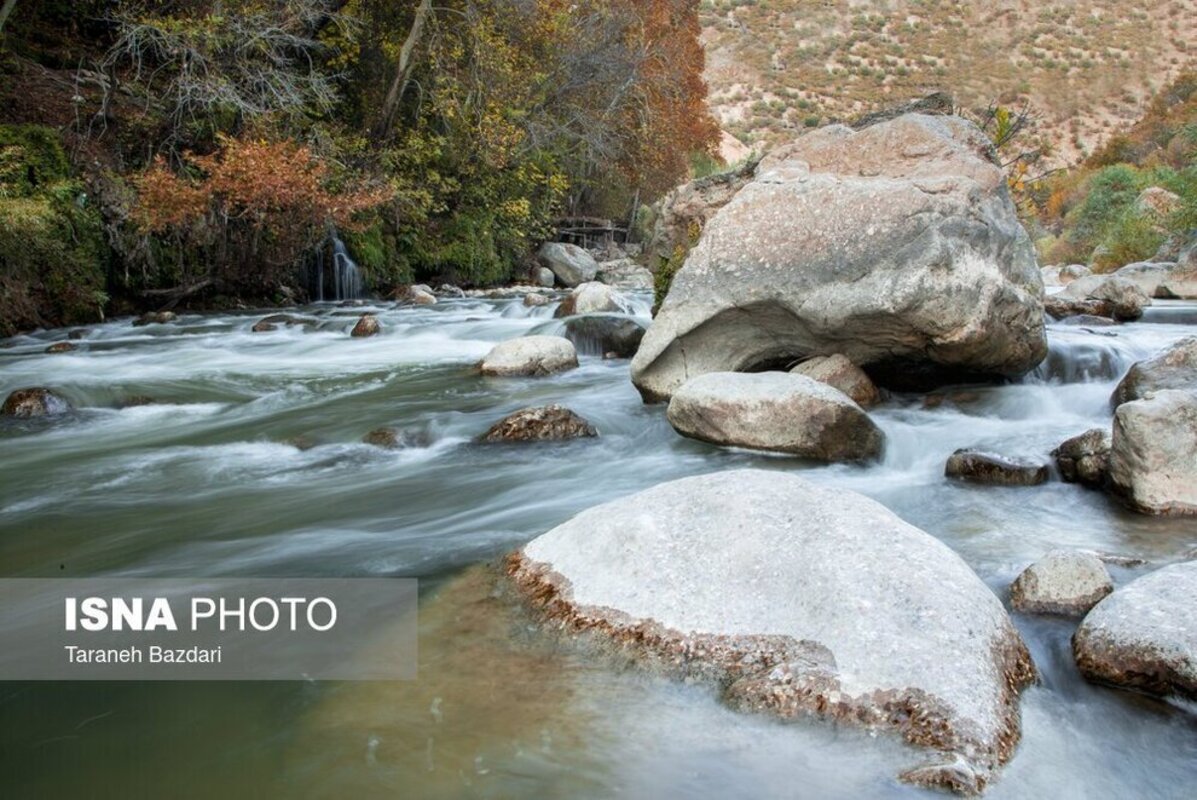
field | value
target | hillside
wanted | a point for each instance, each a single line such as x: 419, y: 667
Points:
x: 1087, y: 67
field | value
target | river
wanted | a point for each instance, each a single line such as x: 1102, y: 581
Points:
x: 208, y: 481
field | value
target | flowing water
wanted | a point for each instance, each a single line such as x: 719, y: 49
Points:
x: 208, y: 481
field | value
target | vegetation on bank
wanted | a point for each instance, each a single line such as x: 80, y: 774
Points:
x: 1099, y: 214
x: 214, y: 144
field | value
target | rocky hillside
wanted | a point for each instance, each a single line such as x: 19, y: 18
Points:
x: 1087, y: 67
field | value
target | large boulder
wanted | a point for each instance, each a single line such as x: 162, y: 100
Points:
x: 541, y: 424
x: 591, y: 298
x: 1065, y: 582
x: 1147, y: 275
x: 530, y: 355
x: 1153, y: 456
x: 1085, y: 459
x: 797, y: 600
x: 1144, y: 636
x: 604, y: 335
x: 897, y: 246
x: 775, y: 411
x: 1174, y: 368
x: 1100, y: 295
x: 571, y: 264
x: 34, y: 402
x: 840, y: 373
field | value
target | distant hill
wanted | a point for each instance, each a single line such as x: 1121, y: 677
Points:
x: 1087, y: 67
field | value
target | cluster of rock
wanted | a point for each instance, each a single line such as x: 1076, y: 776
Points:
x: 1149, y: 458
x: 571, y: 266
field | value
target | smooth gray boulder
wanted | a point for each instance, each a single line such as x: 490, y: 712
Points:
x: 776, y: 411
x: 1085, y: 459
x: 530, y: 356
x: 1181, y: 282
x: 543, y: 276
x: 1144, y: 636
x: 1174, y: 368
x: 591, y: 298
x: 1100, y: 295
x: 1153, y: 454
x: 1065, y: 582
x: 796, y: 600
x: 897, y: 246
x: 571, y: 264
x: 840, y: 373
x: 1147, y: 275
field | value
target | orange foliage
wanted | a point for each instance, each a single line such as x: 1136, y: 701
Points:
x: 265, y: 183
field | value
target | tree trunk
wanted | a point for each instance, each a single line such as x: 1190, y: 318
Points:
x: 390, y: 106
x: 5, y: 11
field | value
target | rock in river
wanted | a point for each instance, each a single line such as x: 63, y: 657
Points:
x: 367, y: 325
x: 1085, y: 459
x: 605, y: 335
x: 976, y: 466
x: 796, y: 600
x: 897, y: 246
x: 776, y: 411
x: 591, y: 298
x: 571, y: 264
x: 1174, y: 368
x: 840, y: 373
x: 1100, y: 295
x: 1144, y: 636
x: 34, y: 402
x: 1066, y: 582
x: 1153, y: 457
x: 545, y: 423
x: 530, y: 355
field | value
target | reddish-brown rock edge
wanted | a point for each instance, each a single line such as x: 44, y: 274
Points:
x: 788, y: 678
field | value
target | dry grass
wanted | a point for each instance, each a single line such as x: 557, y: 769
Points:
x: 1088, y: 67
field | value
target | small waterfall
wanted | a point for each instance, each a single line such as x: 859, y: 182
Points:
x: 348, y: 278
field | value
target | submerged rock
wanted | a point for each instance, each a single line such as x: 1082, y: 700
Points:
x: 396, y: 438
x: 272, y: 322
x: 569, y: 263
x: 839, y: 373
x: 775, y: 411
x: 61, y: 347
x: 1153, y: 454
x: 533, y: 299
x: 367, y: 325
x: 796, y: 600
x: 1174, y: 368
x: 155, y: 318
x: 976, y: 466
x: 34, y: 402
x: 530, y: 355
x: 544, y: 423
x: 1144, y: 636
x: 897, y: 246
x: 591, y: 298
x: 617, y: 337
x: 1066, y: 582
x: 1085, y: 459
